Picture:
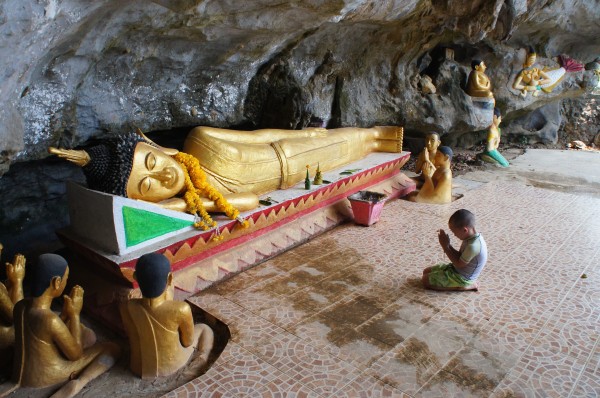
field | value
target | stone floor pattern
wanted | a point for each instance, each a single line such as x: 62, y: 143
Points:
x: 344, y: 315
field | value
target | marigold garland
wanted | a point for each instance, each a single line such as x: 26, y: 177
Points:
x: 197, y: 187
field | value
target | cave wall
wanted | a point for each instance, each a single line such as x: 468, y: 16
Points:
x: 78, y: 71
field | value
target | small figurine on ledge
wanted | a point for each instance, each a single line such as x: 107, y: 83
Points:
x: 478, y: 84
x: 427, y: 155
x: 52, y: 349
x: 318, y: 180
x: 161, y: 331
x: 437, y: 185
x: 530, y: 78
x: 466, y: 263
x: 491, y: 154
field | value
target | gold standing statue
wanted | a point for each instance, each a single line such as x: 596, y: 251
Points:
x: 161, y: 331
x: 52, y: 349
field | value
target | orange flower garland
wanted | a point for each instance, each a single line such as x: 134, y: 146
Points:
x: 196, y: 188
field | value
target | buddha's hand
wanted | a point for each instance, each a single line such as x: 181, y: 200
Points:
x: 443, y: 238
x: 73, y: 302
x: 15, y: 272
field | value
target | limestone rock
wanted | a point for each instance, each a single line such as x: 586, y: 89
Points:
x: 76, y: 71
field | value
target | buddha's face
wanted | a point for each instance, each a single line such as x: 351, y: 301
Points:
x: 155, y: 176
x: 433, y: 142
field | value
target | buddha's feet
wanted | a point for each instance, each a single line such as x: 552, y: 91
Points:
x: 389, y: 139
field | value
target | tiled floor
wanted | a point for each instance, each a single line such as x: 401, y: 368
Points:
x: 345, y: 315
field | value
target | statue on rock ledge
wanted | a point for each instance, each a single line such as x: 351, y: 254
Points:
x: 52, y: 349
x: 223, y: 170
x: 161, y: 331
x: 478, y: 84
x: 491, y: 154
x: 530, y: 78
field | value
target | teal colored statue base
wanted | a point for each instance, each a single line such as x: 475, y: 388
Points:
x: 495, y: 157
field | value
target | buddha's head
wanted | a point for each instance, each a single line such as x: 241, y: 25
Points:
x: 50, y: 274
x: 432, y: 142
x: 129, y: 165
x: 478, y: 65
x: 154, y: 175
x: 153, y: 274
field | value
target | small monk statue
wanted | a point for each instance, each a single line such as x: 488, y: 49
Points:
x: 437, y: 185
x: 161, y: 331
x: 478, y: 84
x: 427, y: 155
x: 229, y: 167
x: 530, y: 78
x: 491, y: 154
x: 10, y: 294
x: 49, y: 348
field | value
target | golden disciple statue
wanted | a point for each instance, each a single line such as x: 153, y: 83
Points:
x: 530, y: 78
x: 223, y: 170
x: 10, y: 294
x: 432, y: 142
x: 437, y: 185
x: 478, y: 84
x: 161, y: 331
x: 51, y: 348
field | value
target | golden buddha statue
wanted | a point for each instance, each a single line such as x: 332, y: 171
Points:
x: 161, y: 331
x: 491, y: 154
x: 530, y: 78
x: 478, y: 84
x: 10, y: 294
x: 51, y: 348
x: 222, y: 170
x: 262, y: 161
x: 432, y: 142
x: 437, y: 185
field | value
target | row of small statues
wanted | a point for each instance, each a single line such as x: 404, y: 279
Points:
x: 57, y: 349
x: 530, y: 78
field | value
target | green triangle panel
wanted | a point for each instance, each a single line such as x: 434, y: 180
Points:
x: 143, y: 225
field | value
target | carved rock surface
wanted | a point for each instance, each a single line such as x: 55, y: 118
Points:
x: 75, y: 70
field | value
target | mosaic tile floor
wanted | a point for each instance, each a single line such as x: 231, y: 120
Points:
x: 345, y: 315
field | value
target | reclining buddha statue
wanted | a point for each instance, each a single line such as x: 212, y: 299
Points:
x: 223, y: 170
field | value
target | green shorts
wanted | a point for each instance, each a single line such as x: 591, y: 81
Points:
x: 444, y: 275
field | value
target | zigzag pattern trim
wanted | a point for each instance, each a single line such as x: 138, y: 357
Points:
x: 276, y: 214
x: 210, y: 270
